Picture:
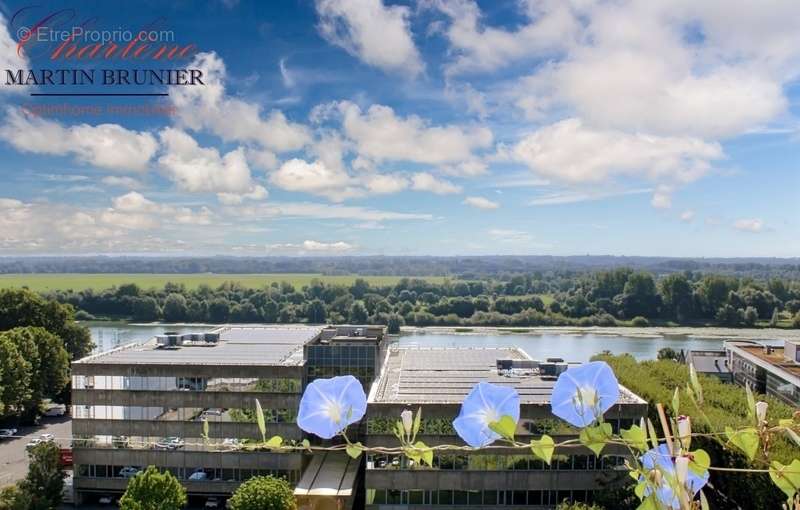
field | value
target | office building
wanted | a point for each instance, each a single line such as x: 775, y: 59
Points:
x: 768, y: 369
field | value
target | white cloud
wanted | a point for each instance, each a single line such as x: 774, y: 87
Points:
x: 481, y: 203
x: 121, y: 181
x: 385, y: 183
x: 423, y: 181
x: 324, y: 212
x: 571, y: 152
x: 510, y: 235
x: 109, y: 146
x: 203, y: 169
x: 316, y: 178
x: 575, y: 196
x: 308, y: 246
x: 662, y: 197
x: 687, y: 216
x: 380, y: 135
x: 552, y: 25
x: 210, y: 108
x: 9, y: 58
x: 749, y: 225
x: 372, y: 32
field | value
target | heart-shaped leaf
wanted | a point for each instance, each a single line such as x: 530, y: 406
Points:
x: 274, y: 442
x: 425, y: 453
x: 595, y: 438
x: 543, y: 448
x: 699, y: 462
x: 635, y: 437
x: 745, y: 439
x: 505, y: 427
x: 649, y: 503
x: 417, y: 422
x: 306, y: 444
x: 786, y: 477
x: 354, y: 449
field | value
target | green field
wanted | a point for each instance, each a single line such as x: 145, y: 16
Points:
x: 80, y: 281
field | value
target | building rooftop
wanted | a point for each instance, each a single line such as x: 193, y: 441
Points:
x: 262, y: 345
x: 772, y: 355
x: 709, y: 361
x: 446, y: 375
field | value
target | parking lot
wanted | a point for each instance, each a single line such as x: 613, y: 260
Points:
x: 14, y: 457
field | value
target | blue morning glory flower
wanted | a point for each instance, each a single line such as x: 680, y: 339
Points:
x: 328, y: 406
x: 660, y: 458
x: 582, y: 394
x: 485, y: 404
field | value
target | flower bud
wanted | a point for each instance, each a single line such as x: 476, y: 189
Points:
x: 685, y: 431
x: 408, y: 421
x: 761, y: 412
x: 682, y: 469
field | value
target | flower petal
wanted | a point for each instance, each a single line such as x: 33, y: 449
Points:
x: 485, y: 403
x: 344, y: 393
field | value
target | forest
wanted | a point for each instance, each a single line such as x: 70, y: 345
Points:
x: 621, y: 296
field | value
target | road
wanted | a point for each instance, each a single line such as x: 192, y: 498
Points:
x: 14, y: 457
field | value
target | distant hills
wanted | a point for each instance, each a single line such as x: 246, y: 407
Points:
x: 456, y: 266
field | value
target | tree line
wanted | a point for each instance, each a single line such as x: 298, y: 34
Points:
x: 605, y: 298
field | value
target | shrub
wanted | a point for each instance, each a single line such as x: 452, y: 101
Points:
x: 640, y: 322
x: 263, y: 493
x: 153, y: 490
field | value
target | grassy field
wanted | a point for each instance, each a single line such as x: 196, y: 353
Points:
x: 75, y: 281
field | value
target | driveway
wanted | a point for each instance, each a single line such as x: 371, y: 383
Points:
x: 14, y: 457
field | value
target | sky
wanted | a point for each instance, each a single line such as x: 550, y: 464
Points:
x: 429, y: 127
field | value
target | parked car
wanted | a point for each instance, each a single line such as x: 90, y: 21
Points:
x: 198, y: 476
x: 213, y: 412
x: 56, y: 410
x: 4, y: 433
x: 129, y: 472
x: 47, y: 437
x: 170, y: 443
x: 213, y: 502
x: 33, y: 442
x: 106, y: 500
x: 231, y: 442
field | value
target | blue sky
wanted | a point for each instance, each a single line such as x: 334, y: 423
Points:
x: 442, y: 127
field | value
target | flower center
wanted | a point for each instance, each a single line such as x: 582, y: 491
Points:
x: 586, y: 396
x: 490, y: 415
x: 334, y: 412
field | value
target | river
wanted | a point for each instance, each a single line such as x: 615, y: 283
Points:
x: 569, y: 346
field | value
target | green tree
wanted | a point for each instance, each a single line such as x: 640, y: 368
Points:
x: 676, y: 295
x: 750, y: 316
x: 315, y: 312
x: 394, y: 323
x: 796, y: 320
x: 358, y: 313
x: 219, y: 310
x: 21, y: 307
x: 146, y: 309
x: 668, y: 353
x: 44, y: 483
x: 175, y: 308
x: 639, y: 296
x: 729, y: 316
x: 15, y: 378
x: 13, y: 498
x: 263, y: 493
x: 776, y: 317
x: 153, y: 490
x: 48, y: 360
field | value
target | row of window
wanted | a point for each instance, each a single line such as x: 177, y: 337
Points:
x: 185, y: 473
x: 481, y: 462
x: 213, y: 384
x: 212, y: 415
x: 444, y: 426
x: 476, y: 498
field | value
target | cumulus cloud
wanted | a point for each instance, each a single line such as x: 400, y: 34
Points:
x: 378, y: 35
x: 108, y: 146
x: 380, y: 135
x: 232, y: 119
x: 9, y: 59
x: 575, y: 196
x: 204, y: 169
x: 315, y: 177
x: 324, y: 212
x: 122, y: 181
x: 572, y: 152
x: 423, y: 181
x: 687, y: 216
x: 481, y: 203
x: 754, y: 225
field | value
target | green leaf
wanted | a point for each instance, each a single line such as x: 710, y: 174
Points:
x: 306, y: 444
x: 205, y: 429
x: 506, y: 427
x: 785, y: 422
x: 417, y: 422
x: 595, y: 438
x: 651, y: 432
x: 635, y: 437
x: 425, y: 453
x: 745, y: 440
x: 792, y: 435
x: 649, y: 503
x: 354, y: 449
x: 543, y: 448
x: 786, y: 477
x: 676, y: 402
x: 693, y: 379
x: 639, y: 489
x: 699, y: 462
x: 398, y: 430
x: 274, y: 442
x: 262, y: 426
